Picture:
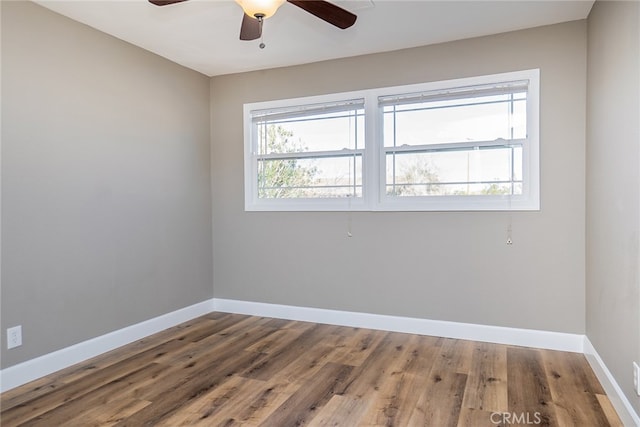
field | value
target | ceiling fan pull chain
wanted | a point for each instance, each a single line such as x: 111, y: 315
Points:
x: 261, y: 22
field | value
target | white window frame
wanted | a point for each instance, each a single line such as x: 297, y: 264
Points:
x: 374, y: 197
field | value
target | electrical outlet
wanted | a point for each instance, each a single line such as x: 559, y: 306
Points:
x: 636, y: 378
x: 14, y: 337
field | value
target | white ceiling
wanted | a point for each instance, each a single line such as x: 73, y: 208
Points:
x: 203, y: 34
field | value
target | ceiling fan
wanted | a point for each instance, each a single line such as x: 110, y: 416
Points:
x: 256, y: 11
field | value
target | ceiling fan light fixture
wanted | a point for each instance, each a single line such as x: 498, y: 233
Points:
x: 260, y: 8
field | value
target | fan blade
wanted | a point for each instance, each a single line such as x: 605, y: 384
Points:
x: 251, y: 28
x: 326, y: 11
x: 165, y: 2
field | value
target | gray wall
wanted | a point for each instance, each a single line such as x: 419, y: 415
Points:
x: 436, y: 265
x: 106, y: 213
x: 613, y: 188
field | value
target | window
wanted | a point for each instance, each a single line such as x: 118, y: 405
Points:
x: 306, y: 155
x: 466, y: 144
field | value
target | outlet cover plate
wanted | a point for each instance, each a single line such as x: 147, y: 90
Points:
x: 636, y: 378
x: 14, y: 337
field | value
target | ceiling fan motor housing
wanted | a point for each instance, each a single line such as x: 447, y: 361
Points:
x: 260, y: 8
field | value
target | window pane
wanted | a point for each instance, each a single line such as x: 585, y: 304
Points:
x: 310, y: 178
x: 319, y: 132
x: 487, y: 171
x: 483, y: 118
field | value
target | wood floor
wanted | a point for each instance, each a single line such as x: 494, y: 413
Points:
x: 230, y: 370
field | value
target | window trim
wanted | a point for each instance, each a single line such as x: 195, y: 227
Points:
x: 374, y: 197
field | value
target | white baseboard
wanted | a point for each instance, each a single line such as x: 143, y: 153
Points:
x: 619, y: 401
x: 30, y: 370
x: 493, y: 334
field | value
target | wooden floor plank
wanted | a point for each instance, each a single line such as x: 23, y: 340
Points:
x: 304, y: 404
x: 612, y: 417
x: 203, y: 380
x: 470, y: 417
x: 103, y: 416
x: 103, y: 395
x: 358, y: 345
x: 54, y: 381
x: 487, y: 383
x: 456, y: 355
x: 400, y: 390
x: 236, y: 370
x: 338, y: 409
x: 254, y: 407
x: 572, y: 391
x: 441, y: 403
x: 306, y: 366
x: 277, y: 341
x: 81, y: 387
x: 212, y: 354
x: 269, y: 366
x: 368, y: 376
x: 528, y: 388
x: 422, y: 356
x: 29, y: 392
x: 209, y: 405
